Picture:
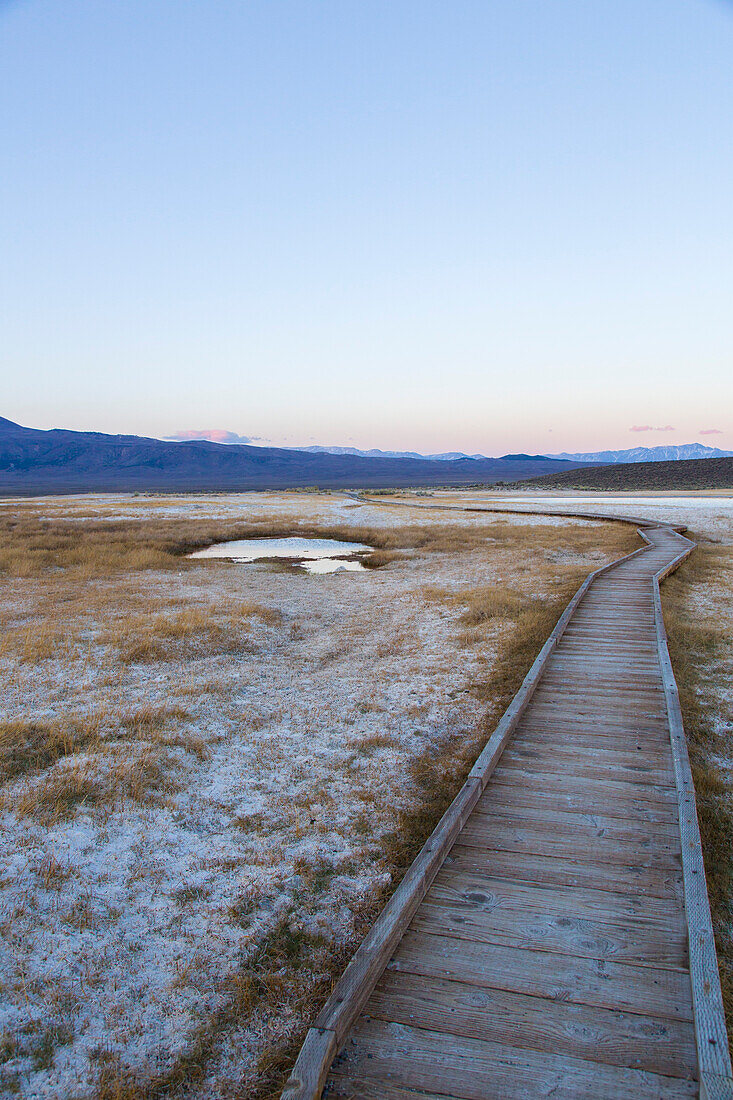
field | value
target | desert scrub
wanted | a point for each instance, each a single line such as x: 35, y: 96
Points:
x: 698, y: 610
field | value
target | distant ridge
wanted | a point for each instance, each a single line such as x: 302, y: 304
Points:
x: 680, y: 452
x: 36, y: 462
x: 446, y: 456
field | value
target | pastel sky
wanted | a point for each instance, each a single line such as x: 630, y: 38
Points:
x: 482, y: 225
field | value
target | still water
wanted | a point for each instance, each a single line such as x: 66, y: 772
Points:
x: 314, y: 555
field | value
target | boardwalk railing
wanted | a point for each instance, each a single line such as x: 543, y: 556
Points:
x: 357, y: 983
x: 714, y: 1064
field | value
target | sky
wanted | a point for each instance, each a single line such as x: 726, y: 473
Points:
x: 492, y: 226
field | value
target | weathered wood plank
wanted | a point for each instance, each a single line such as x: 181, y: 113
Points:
x: 312, y: 1065
x: 489, y: 833
x: 540, y: 929
x: 504, y: 791
x: 634, y: 754
x: 577, y: 824
x: 636, y: 767
x: 494, y: 1015
x: 560, y: 978
x: 547, y: 768
x: 658, y: 882
x: 601, y: 723
x: 362, y: 1088
x: 593, y: 903
x: 605, y: 791
x: 587, y: 737
x: 471, y: 1069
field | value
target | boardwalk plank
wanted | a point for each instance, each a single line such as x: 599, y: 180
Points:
x: 502, y: 793
x: 516, y: 925
x: 593, y: 903
x: 647, y: 991
x: 489, y: 833
x: 604, y: 1035
x: 653, y: 882
x: 604, y: 791
x: 654, y: 781
x: 507, y: 814
x: 471, y: 1069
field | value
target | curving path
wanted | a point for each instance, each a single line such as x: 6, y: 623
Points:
x: 553, y: 937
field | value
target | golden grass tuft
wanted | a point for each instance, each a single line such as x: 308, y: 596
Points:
x: 29, y: 746
x: 482, y: 603
x: 379, y: 558
x: 203, y: 631
x: 149, y: 776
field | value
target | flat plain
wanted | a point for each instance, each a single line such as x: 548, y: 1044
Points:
x: 214, y: 774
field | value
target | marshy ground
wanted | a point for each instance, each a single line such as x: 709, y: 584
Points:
x: 213, y: 774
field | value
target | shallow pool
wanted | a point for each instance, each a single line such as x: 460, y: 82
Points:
x: 314, y: 555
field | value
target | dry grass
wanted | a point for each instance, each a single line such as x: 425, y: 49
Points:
x: 200, y: 630
x: 698, y: 603
x: 379, y: 558
x: 29, y: 746
x: 148, y: 775
x: 31, y: 545
x: 483, y: 603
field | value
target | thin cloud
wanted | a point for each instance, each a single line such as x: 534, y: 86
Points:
x: 711, y: 431
x: 213, y: 435
x: 649, y: 428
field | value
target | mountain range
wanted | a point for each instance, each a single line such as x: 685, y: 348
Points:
x: 632, y: 454
x: 682, y: 451
x: 33, y: 461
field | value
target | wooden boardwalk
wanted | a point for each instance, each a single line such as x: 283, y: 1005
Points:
x: 546, y: 952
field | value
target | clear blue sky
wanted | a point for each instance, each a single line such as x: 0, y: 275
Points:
x: 482, y: 226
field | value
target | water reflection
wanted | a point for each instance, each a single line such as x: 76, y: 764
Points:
x: 314, y: 555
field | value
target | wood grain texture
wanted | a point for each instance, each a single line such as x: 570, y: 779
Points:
x: 473, y: 1069
x: 493, y: 1015
x: 663, y: 994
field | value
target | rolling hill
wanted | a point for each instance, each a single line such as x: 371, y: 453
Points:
x: 36, y: 462
x: 694, y: 473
